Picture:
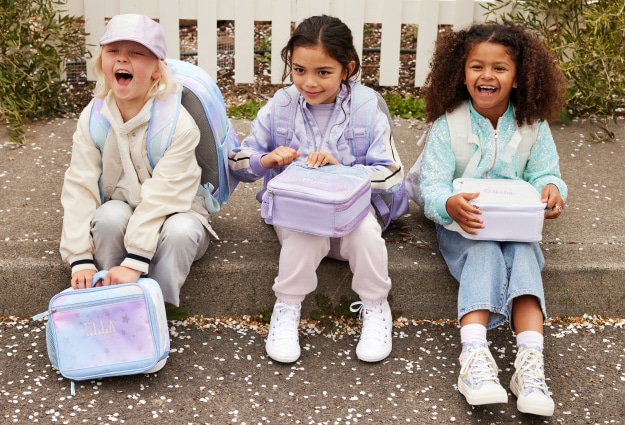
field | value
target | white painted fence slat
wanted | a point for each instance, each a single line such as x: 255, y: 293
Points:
x: 207, y: 37
x: 390, y: 43
x: 391, y: 14
x: 169, y: 18
x: 352, y: 12
x: 463, y: 14
x: 428, y: 30
x: 244, y: 42
x: 280, y: 33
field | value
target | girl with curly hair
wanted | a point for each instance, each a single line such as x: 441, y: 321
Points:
x: 506, y: 79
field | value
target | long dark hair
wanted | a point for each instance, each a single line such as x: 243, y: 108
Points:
x: 329, y: 33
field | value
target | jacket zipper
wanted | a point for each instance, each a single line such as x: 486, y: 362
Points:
x: 495, y: 154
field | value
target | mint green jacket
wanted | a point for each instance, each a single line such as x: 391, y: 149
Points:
x: 438, y: 168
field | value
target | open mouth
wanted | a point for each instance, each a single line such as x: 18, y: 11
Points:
x: 486, y: 89
x: 123, y: 77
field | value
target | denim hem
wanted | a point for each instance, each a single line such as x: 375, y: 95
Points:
x: 495, y: 313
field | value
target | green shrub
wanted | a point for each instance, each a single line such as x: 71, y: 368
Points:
x: 35, y: 42
x: 588, y: 37
x: 405, y: 107
x: 247, y: 110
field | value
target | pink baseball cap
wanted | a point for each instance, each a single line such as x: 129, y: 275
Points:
x: 138, y: 28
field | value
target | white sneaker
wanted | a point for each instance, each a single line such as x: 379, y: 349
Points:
x: 376, y: 337
x: 478, y: 380
x: 282, y: 343
x: 528, y: 383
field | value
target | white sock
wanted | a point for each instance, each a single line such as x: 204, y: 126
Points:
x: 472, y: 334
x: 530, y: 339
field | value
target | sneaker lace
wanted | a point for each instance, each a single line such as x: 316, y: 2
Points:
x: 373, y: 321
x: 286, y: 322
x: 530, y: 366
x: 480, y: 364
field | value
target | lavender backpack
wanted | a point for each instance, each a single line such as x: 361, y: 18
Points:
x: 324, y: 201
x: 107, y: 331
x: 364, y: 101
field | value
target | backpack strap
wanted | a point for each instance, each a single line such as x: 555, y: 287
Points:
x: 463, y: 139
x: 162, y: 124
x: 529, y: 135
x: 363, y: 104
x: 285, y: 106
x: 98, y: 130
x: 98, y: 125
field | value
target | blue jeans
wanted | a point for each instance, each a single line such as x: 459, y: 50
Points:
x: 491, y: 274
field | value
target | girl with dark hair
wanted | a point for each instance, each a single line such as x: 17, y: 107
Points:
x: 321, y: 60
x: 506, y: 79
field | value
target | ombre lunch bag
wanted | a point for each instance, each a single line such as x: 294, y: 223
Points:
x: 107, y: 330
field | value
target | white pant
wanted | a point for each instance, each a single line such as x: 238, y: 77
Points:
x: 364, y: 249
x: 183, y: 240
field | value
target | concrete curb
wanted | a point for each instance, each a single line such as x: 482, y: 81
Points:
x: 584, y: 271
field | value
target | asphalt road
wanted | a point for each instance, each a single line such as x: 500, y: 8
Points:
x: 218, y: 373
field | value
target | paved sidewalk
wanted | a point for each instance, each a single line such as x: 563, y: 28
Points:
x: 220, y: 374
x: 584, y: 272
x: 218, y: 371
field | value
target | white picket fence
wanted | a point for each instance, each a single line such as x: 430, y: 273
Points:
x: 391, y: 14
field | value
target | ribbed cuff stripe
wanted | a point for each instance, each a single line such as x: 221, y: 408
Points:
x: 79, y: 262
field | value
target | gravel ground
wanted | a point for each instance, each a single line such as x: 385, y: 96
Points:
x: 218, y: 373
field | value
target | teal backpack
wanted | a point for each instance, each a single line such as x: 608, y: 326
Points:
x: 203, y: 100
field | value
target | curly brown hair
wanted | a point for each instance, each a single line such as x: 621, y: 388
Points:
x: 541, y: 83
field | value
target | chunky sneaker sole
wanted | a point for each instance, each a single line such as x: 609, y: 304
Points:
x: 534, y: 403
x: 488, y: 394
x: 373, y: 357
x: 528, y: 383
x: 283, y: 354
x: 477, y: 380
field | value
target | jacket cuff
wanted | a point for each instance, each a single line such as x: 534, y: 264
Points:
x: 87, y: 264
x: 441, y: 209
x: 137, y: 262
x: 256, y: 166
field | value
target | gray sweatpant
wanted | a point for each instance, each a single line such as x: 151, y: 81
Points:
x: 182, y: 241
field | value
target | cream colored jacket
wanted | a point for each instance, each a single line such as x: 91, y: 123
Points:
x: 127, y: 176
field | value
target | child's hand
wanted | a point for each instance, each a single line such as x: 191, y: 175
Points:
x: 118, y: 275
x: 319, y: 159
x: 463, y: 213
x: 279, y: 157
x: 82, y: 279
x: 555, y: 204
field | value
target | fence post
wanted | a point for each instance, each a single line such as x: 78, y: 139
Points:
x: 390, y: 43
x: 207, y: 37
x: 244, y: 42
x: 428, y: 30
x: 169, y: 18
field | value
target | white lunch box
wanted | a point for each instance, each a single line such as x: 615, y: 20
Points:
x: 511, y: 209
